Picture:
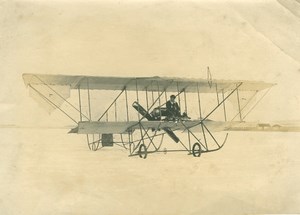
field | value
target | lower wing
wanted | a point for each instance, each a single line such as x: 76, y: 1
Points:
x: 96, y: 127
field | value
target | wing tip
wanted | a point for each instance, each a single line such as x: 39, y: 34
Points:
x: 26, y: 77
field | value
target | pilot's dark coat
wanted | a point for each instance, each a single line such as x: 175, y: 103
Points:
x: 173, y: 109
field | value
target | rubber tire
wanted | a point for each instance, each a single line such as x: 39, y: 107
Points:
x: 196, y: 150
x: 143, y: 151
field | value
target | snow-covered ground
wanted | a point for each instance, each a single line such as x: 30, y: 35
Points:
x: 46, y: 171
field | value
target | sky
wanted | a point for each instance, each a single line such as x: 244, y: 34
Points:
x: 239, y: 40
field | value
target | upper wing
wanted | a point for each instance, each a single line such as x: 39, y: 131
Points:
x: 143, y: 83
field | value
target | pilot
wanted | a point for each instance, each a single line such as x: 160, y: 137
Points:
x: 173, y: 109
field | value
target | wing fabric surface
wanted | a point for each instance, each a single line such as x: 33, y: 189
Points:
x: 143, y: 83
x: 97, y: 127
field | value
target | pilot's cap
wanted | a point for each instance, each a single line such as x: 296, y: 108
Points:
x: 172, y: 96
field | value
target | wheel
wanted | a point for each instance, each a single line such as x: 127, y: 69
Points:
x: 196, y: 150
x: 142, y: 151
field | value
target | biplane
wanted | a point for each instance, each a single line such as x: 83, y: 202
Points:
x: 136, y: 120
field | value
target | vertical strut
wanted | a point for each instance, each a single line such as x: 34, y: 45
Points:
x: 189, y: 137
x: 166, y: 96
x: 185, y: 103
x: 89, y: 99
x: 137, y: 97
x: 209, y: 77
x: 199, y: 101
x: 142, y: 135
x: 116, y: 115
x: 217, y: 94
x: 178, y: 95
x: 159, y: 100
x: 238, y: 98
x: 200, y: 112
x: 127, y: 111
x: 224, y: 107
x: 152, y: 92
x: 204, y: 136
x: 130, y: 137
x: 79, y: 97
x: 147, y: 98
x: 186, y: 110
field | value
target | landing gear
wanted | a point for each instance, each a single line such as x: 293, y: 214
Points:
x: 142, y: 151
x: 92, y: 143
x: 196, y: 150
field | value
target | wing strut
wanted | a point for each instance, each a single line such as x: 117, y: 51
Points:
x: 221, y: 102
x: 48, y: 86
x: 256, y: 103
x: 204, y: 127
x: 239, y: 106
x: 52, y: 103
x: 112, y: 103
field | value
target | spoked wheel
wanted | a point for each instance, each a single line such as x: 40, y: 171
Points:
x: 92, y: 143
x: 142, y: 151
x: 196, y: 150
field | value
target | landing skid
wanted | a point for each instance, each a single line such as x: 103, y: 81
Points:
x: 141, y: 147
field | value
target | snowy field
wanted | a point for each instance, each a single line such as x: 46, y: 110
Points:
x: 46, y: 171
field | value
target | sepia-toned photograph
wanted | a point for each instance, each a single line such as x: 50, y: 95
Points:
x: 149, y: 107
